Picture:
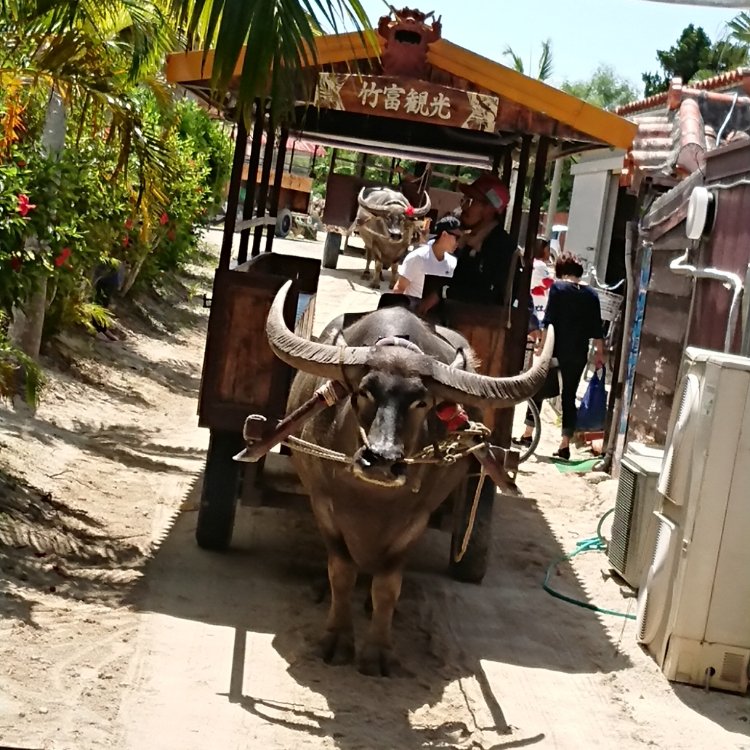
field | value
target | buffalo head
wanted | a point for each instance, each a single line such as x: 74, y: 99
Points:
x: 396, y: 383
x: 388, y: 215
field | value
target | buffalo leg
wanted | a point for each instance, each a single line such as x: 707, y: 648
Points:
x: 368, y: 258
x: 394, y: 274
x: 378, y: 277
x: 337, y: 644
x: 377, y: 655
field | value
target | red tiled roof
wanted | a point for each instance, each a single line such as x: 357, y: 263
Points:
x: 650, y: 102
x: 677, y: 127
x: 732, y: 78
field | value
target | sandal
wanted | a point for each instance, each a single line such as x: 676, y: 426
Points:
x: 563, y: 453
x: 524, y: 441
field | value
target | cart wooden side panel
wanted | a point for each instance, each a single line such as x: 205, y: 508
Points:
x: 241, y: 375
x: 486, y: 329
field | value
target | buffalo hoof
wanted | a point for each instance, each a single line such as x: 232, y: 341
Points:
x: 378, y: 661
x: 365, y: 274
x: 337, y: 647
x: 374, y: 284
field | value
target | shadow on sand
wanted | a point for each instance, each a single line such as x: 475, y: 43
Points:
x: 443, y: 629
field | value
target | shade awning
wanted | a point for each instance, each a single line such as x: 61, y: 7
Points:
x: 524, y: 105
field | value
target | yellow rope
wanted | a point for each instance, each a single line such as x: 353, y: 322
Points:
x: 472, y: 518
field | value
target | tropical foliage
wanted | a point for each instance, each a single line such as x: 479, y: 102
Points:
x: 280, y: 33
x: 694, y: 57
x: 139, y: 172
x: 543, y: 70
x: 604, y: 89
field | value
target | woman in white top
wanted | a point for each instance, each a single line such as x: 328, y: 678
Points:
x: 433, y: 259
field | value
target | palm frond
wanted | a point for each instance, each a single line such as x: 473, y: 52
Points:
x: 277, y: 35
x: 545, y: 61
x: 740, y: 27
x: 517, y: 61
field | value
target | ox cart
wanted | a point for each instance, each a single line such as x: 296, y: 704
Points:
x: 242, y: 377
x: 414, y: 96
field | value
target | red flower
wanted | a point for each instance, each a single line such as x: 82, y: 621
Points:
x: 21, y: 163
x: 409, y: 211
x: 62, y: 257
x: 128, y: 223
x: 23, y: 205
x: 171, y: 235
x: 125, y: 241
x: 16, y: 263
x: 163, y: 219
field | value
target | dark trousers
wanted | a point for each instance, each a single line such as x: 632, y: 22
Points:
x: 570, y: 376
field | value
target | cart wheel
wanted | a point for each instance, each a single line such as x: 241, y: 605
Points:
x: 473, y: 564
x: 283, y: 223
x: 331, y: 250
x: 221, y: 481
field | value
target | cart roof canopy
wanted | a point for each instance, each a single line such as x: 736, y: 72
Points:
x: 407, y: 92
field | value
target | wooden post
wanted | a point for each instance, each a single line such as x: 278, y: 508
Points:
x: 554, y: 195
x: 252, y: 173
x: 518, y: 335
x: 496, y: 162
x: 276, y: 189
x: 523, y: 167
x: 508, y: 165
x: 230, y: 220
x: 536, y: 196
x: 260, y: 208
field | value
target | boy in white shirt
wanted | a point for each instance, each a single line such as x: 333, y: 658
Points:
x: 433, y: 259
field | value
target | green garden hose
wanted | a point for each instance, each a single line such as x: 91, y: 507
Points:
x: 595, y: 543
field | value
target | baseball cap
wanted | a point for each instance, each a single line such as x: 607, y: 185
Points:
x: 448, y: 223
x: 488, y: 188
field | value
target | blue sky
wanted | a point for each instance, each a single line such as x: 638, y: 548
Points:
x: 622, y: 33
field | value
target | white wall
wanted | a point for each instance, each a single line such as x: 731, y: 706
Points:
x: 592, y: 205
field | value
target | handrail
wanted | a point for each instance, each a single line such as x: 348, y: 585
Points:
x: 604, y: 287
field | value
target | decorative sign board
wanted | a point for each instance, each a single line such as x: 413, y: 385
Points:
x: 406, y: 99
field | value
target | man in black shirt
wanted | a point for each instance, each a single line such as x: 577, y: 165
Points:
x: 484, y: 257
x: 483, y: 260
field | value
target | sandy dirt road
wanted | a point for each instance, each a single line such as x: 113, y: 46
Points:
x: 118, y: 632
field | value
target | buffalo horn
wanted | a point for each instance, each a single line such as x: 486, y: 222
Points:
x: 420, y: 213
x: 446, y: 381
x: 364, y: 203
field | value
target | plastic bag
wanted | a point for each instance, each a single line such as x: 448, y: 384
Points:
x: 592, y: 412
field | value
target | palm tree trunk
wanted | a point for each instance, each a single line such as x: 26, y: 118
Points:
x: 26, y: 328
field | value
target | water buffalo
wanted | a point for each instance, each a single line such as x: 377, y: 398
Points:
x: 371, y: 510
x: 388, y: 224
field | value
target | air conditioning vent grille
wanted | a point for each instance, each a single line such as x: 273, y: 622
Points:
x: 677, y: 443
x: 622, y: 523
x: 732, y: 668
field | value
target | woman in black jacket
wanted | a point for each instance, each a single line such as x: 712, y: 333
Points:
x: 574, y: 311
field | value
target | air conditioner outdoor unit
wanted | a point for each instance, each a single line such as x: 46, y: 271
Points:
x: 634, y: 526
x: 694, y: 607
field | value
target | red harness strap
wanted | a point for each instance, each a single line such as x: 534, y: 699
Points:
x: 452, y: 415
